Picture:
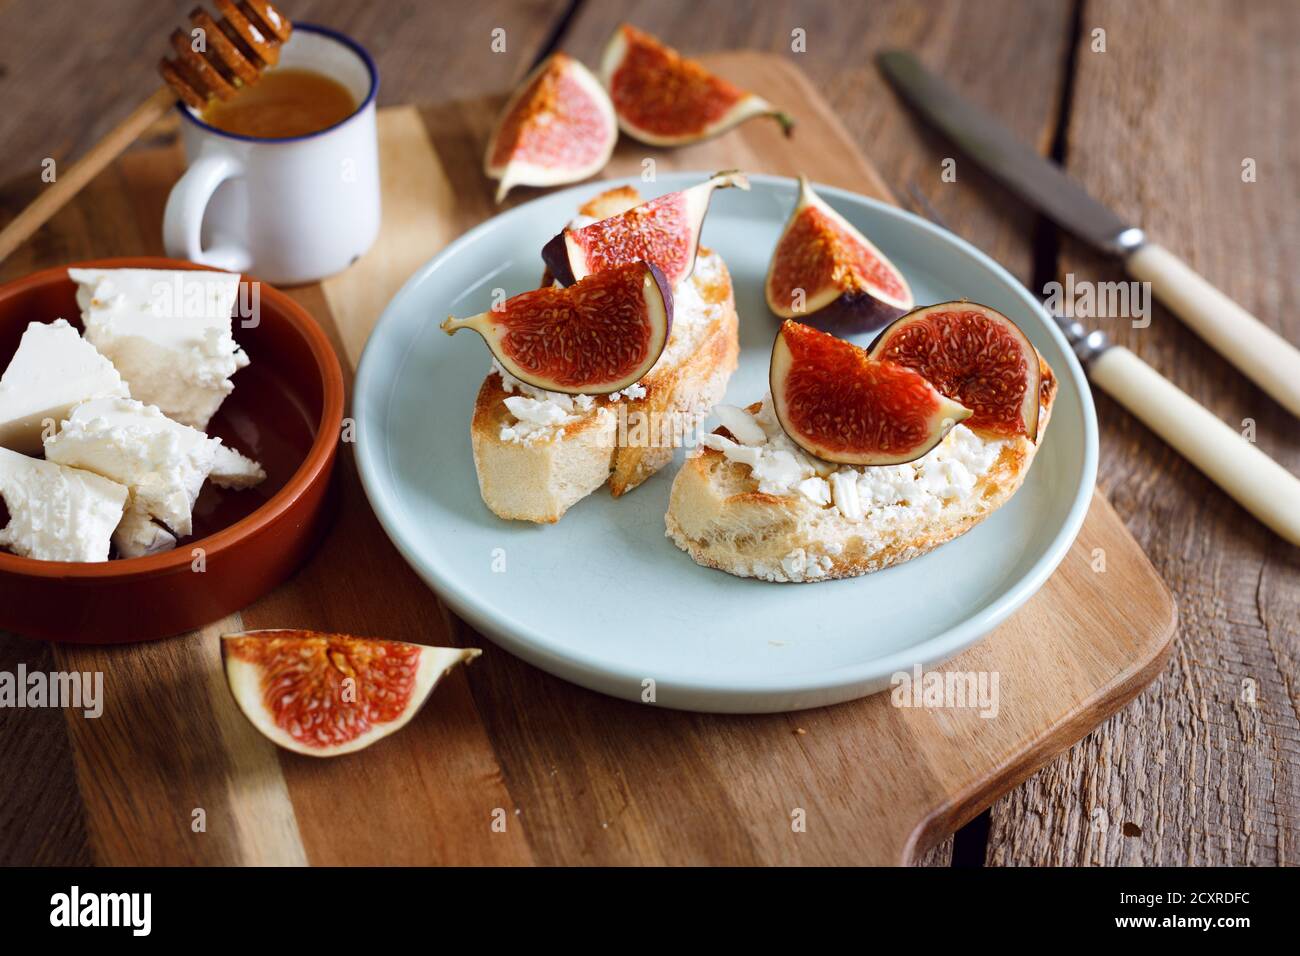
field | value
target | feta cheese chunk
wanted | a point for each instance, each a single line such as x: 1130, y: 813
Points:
x: 162, y: 462
x: 137, y: 535
x: 168, y: 332
x: 816, y: 490
x: 741, y: 424
x: 844, y: 492
x: 53, y: 370
x: 232, y: 470
x: 57, y: 513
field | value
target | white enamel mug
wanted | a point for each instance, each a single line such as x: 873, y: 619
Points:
x: 286, y: 210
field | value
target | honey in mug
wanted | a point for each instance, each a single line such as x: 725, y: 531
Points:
x: 282, y: 104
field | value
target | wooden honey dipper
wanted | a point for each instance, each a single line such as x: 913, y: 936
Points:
x: 237, y: 47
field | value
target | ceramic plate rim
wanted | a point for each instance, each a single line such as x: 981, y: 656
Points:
x: 370, y: 403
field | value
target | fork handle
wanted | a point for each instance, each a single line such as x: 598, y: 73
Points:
x: 1256, y: 481
x: 1266, y: 358
x: 70, y: 182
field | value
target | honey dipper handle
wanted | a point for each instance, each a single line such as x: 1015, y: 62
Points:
x: 69, y: 182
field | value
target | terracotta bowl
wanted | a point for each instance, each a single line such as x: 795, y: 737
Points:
x: 286, y: 412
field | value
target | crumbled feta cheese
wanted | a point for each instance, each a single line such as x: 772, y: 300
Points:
x: 168, y: 333
x: 163, y: 463
x: 816, y: 490
x: 53, y: 370
x: 844, y: 492
x: 741, y: 424
x: 778, y: 471
x: 536, y: 412
x: 950, y: 472
x: 633, y: 392
x: 744, y: 454
x: 57, y: 513
x: 137, y: 535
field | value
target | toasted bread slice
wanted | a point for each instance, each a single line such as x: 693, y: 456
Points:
x: 824, y: 521
x: 612, y: 202
x: 534, y: 468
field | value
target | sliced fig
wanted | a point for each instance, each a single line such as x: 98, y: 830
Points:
x: 841, y: 405
x: 665, y: 231
x: 329, y: 694
x: 973, y: 354
x: 597, y: 336
x: 827, y: 274
x: 664, y: 99
x: 558, y: 127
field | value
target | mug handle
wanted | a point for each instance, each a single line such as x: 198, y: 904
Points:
x: 183, y: 218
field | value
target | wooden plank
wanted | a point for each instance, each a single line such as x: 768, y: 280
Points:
x: 48, y: 49
x: 1205, y: 768
x: 170, y: 773
x: 41, y: 817
x: 937, y: 856
x: 440, y: 780
x: 427, y: 52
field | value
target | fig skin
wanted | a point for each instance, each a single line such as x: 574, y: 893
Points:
x: 939, y: 418
x: 559, y: 254
x: 556, y: 256
x: 688, y: 77
x: 1029, y: 403
x: 248, y: 671
x: 493, y: 327
x: 831, y: 307
x: 520, y: 170
x: 853, y: 313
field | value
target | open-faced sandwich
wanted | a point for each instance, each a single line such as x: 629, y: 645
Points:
x: 612, y: 363
x: 861, y: 459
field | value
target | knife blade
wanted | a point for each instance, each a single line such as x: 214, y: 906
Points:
x: 995, y: 148
x: 1260, y: 353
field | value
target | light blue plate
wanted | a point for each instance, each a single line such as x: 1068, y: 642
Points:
x: 603, y: 598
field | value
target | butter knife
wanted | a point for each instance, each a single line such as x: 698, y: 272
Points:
x: 1257, y: 482
x: 1269, y: 360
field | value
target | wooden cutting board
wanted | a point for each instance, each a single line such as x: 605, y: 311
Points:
x: 510, y: 765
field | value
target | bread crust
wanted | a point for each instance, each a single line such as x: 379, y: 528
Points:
x: 717, y: 515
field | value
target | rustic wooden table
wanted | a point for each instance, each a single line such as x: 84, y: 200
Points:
x: 1203, y: 768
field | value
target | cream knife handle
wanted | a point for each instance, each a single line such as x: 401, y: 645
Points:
x: 1266, y: 358
x: 1257, y: 482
